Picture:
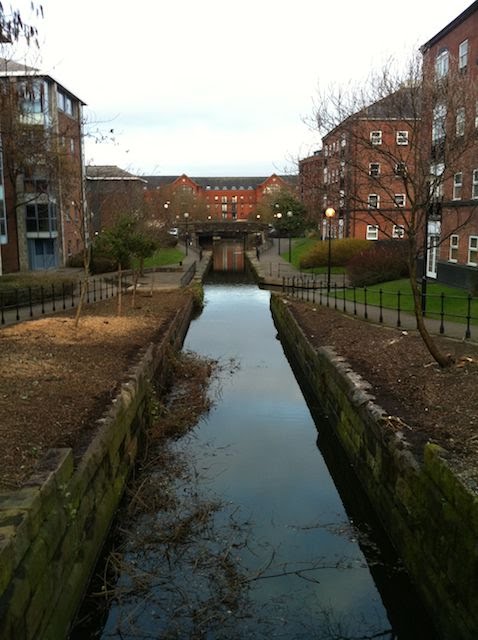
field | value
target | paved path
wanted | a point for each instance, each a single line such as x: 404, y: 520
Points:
x: 272, y: 269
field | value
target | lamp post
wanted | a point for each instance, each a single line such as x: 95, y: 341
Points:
x: 278, y: 216
x: 186, y: 216
x: 329, y: 214
x: 289, y: 215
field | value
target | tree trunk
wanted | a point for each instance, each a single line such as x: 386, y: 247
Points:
x: 120, y: 289
x: 443, y: 360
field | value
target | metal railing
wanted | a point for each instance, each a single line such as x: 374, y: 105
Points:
x: 23, y: 303
x: 388, y: 307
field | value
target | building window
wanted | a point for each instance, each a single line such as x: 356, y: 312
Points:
x: 374, y: 169
x: 441, y: 64
x: 438, y: 123
x: 398, y: 231
x: 64, y: 103
x: 399, y: 199
x: 460, y: 121
x: 473, y: 251
x: 474, y: 188
x: 373, y: 201
x: 400, y: 169
x: 402, y: 137
x: 41, y: 217
x: 463, y: 55
x: 372, y: 232
x: 436, y: 180
x: 457, y: 185
x: 453, y: 252
x: 376, y: 137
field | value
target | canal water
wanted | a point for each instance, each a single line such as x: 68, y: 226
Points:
x: 286, y: 546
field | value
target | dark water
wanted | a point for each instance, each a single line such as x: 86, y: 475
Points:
x: 280, y: 556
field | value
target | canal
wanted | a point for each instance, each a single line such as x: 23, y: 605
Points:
x: 285, y: 545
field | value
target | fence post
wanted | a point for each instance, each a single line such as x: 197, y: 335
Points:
x: 365, y: 302
x: 468, y: 318
x: 380, y: 300
x: 442, y: 312
x: 355, y: 300
x: 30, y: 301
x: 398, y: 309
x: 1, y: 308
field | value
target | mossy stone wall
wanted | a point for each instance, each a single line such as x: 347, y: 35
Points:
x: 431, y: 516
x: 52, y: 529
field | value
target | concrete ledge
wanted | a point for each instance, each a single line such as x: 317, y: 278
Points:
x: 430, y: 515
x: 52, y: 530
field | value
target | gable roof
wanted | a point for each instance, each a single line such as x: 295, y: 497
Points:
x: 218, y: 183
x: 110, y: 172
x: 449, y: 27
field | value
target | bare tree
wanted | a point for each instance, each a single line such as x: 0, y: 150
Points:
x: 386, y: 163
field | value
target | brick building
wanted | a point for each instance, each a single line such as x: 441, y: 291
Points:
x: 359, y: 172
x: 227, y: 198
x: 449, y: 61
x: 41, y: 170
x: 110, y: 192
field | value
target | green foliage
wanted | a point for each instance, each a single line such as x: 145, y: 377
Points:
x: 24, y: 287
x: 292, y: 219
x: 341, y: 252
x: 380, y: 263
x: 123, y: 242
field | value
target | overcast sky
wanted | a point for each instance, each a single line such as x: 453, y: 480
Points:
x: 213, y: 88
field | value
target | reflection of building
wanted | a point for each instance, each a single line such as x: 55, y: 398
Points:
x: 41, y: 170
x: 230, y: 198
x: 110, y: 192
x: 453, y: 222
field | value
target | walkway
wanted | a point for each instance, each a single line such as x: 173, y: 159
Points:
x: 272, y: 268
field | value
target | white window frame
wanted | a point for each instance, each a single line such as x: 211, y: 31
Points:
x: 371, y: 198
x: 442, y: 63
x: 474, y: 185
x: 375, y: 172
x: 460, y: 122
x: 457, y: 185
x: 453, y: 248
x: 399, y: 199
x: 372, y: 232
x: 400, y: 169
x: 463, y: 50
x: 402, y: 138
x: 398, y: 231
x: 473, y: 251
x: 376, y: 137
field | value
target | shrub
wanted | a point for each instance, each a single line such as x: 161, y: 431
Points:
x: 380, y: 263
x: 99, y: 263
x: 341, y: 252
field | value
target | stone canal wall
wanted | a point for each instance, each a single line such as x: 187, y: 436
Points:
x: 52, y: 529
x: 428, y: 512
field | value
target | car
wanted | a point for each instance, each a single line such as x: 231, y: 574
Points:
x: 174, y: 231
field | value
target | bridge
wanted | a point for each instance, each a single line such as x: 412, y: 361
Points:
x: 204, y: 232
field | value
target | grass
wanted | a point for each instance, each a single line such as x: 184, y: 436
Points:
x: 164, y: 256
x: 299, y: 247
x: 455, y: 301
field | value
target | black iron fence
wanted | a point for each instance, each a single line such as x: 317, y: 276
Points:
x: 23, y: 303
x: 446, y: 314
x: 189, y: 274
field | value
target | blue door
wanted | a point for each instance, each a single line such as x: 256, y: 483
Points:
x: 42, y: 253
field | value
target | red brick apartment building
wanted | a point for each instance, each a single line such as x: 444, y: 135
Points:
x: 226, y: 198
x: 450, y: 57
x: 41, y: 170
x: 359, y: 172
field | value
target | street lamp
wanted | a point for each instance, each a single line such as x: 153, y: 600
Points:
x: 278, y: 216
x: 186, y: 216
x: 329, y: 214
x: 289, y: 215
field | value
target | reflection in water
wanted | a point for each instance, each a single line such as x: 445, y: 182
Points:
x: 228, y: 256
x: 270, y: 550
